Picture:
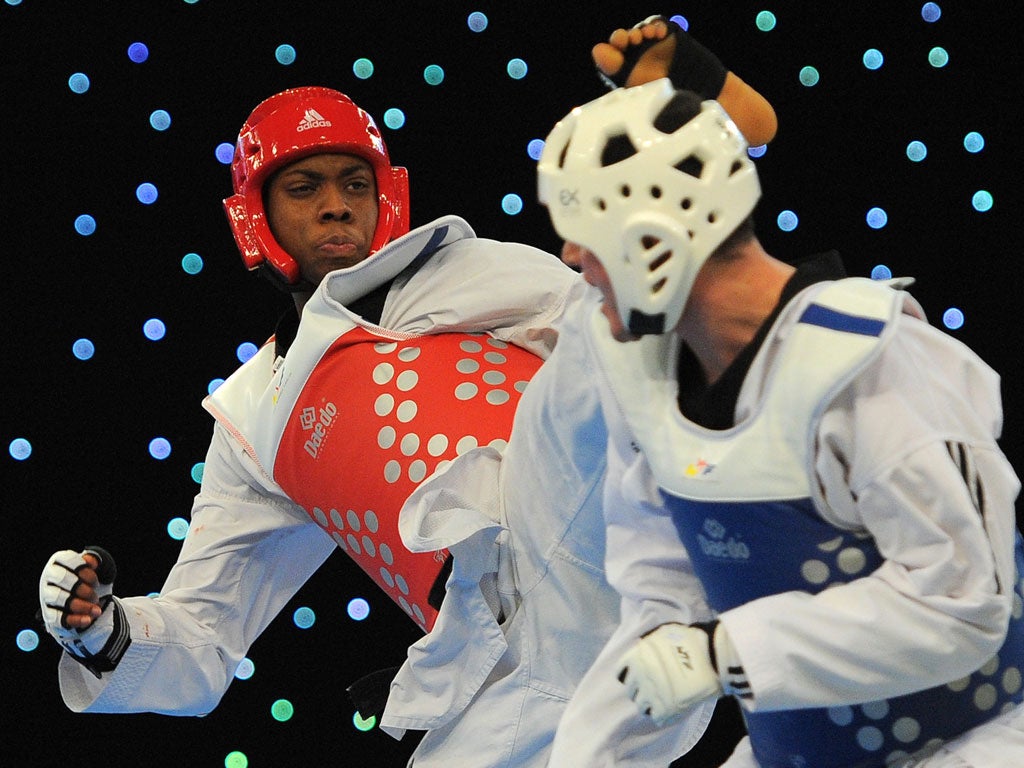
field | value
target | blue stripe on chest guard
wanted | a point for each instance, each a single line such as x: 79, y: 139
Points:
x: 815, y: 314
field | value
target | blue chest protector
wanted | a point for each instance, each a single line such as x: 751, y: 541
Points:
x: 742, y: 504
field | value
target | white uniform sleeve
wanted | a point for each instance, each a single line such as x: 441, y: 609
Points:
x: 908, y: 454
x: 246, y: 554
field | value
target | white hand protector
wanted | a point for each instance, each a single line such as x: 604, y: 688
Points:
x: 674, y: 667
x: 99, y: 647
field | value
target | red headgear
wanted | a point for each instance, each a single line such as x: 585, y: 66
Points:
x: 287, y: 127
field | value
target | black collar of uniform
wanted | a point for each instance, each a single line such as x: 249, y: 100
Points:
x: 714, y: 407
x: 370, y: 307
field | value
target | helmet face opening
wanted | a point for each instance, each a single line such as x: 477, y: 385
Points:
x: 285, y: 128
x: 652, y: 181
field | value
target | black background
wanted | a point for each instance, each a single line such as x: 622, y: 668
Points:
x: 840, y: 151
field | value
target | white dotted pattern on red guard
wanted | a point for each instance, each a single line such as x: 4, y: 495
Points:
x: 374, y: 419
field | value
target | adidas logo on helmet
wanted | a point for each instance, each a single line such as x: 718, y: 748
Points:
x: 312, y: 119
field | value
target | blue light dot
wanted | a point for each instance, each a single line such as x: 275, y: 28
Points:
x: 362, y: 68
x: 433, y: 74
x: 809, y: 76
x: 160, y: 119
x: 20, y: 449
x: 873, y: 58
x: 304, y: 617
x: 953, y: 318
x: 477, y: 21
x: 787, y: 221
x: 28, y: 640
x: 931, y: 12
x: 535, y: 148
x: 245, y: 351
x: 758, y: 151
x: 358, y: 608
x: 192, y: 263
x: 512, y: 204
x: 982, y: 200
x: 159, y: 448
x: 245, y: 669
x: 85, y: 225
x: 212, y: 386
x: 138, y: 52
x: 177, y: 528
x: 191, y: 2
x: 938, y: 57
x: 282, y: 710
x: 516, y: 69
x: 364, y: 724
x: 765, y: 21
x: 877, y: 218
x: 154, y: 329
x: 881, y: 272
x: 917, y: 151
x: 14, y: 2
x: 285, y: 54
x: 146, y: 193
x: 83, y: 349
x: 224, y: 152
x: 682, y: 21
x: 78, y: 82
x: 234, y: 759
x: 974, y: 142
x: 197, y: 471
x: 394, y: 118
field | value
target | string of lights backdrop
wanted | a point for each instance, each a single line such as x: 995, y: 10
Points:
x: 126, y: 301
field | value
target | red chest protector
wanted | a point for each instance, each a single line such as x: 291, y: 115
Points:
x: 375, y: 418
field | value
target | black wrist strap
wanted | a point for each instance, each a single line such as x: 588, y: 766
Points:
x: 693, y: 68
x: 108, y: 657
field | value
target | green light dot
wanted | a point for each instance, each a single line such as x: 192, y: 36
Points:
x: 982, y: 200
x: 362, y: 68
x: 809, y: 76
x: 236, y: 759
x: 197, y: 471
x: 433, y: 74
x: 765, y: 21
x: 364, y: 725
x: 282, y: 710
x: 938, y: 57
x: 394, y: 118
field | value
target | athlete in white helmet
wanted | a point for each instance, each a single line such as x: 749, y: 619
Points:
x: 822, y: 459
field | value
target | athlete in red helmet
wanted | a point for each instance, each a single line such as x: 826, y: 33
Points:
x: 413, y: 348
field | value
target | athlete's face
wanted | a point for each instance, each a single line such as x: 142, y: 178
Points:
x: 578, y: 257
x: 323, y: 212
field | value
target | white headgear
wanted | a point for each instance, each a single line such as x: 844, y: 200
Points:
x: 653, y: 218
